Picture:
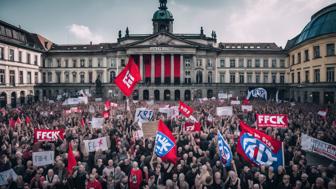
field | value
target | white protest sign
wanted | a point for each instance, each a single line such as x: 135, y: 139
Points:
x: 235, y: 102
x: 96, y: 144
x: 43, y: 158
x: 97, y: 122
x: 5, y: 175
x: 319, y: 147
x: 247, y: 108
x: 224, y: 111
x: 143, y: 115
x: 91, y: 109
x: 222, y: 96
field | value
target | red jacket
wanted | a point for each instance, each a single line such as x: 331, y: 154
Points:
x: 135, y: 178
x: 94, y: 185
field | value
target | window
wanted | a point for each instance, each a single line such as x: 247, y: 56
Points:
x: 249, y: 63
x: 299, y: 58
x: 241, y: 78
x: 58, y: 61
x: 265, y: 77
x: 11, y: 55
x: 112, y: 76
x: 257, y: 63
x: 249, y: 77
x: 100, y: 61
x: 232, y: 78
x: 21, y: 77
x: 90, y: 62
x: 199, y: 77
x: 257, y: 77
x: 222, y: 63
x: 44, y: 77
x: 49, y: 63
x: 306, y: 56
x: 66, y: 61
x: 12, y: 77
x: 122, y: 62
x: 74, y: 77
x: 274, y: 63
x: 113, y: 63
x: 82, y: 63
x: 2, y: 53
x: 273, y: 77
x: 187, y: 62
x: 90, y: 77
x: 66, y: 74
x: 241, y: 62
x: 293, y: 59
x: 28, y: 58
x: 232, y: 63
x: 293, y: 78
x: 20, y: 56
x: 330, y: 74
x: 2, y: 77
x: 330, y: 49
x: 265, y: 63
x: 199, y: 63
x: 82, y: 77
x: 35, y: 59
x: 36, y: 77
x: 307, y: 76
x: 49, y: 77
x: 58, y: 77
x: 317, y: 75
x: 298, y: 77
x: 282, y: 77
x: 209, y: 77
x: 222, y: 77
x: 209, y: 63
x: 317, y: 52
x: 74, y: 63
x: 29, y: 78
x: 282, y: 63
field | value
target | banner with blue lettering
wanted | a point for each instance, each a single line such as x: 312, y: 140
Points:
x: 143, y: 115
x: 257, y: 93
x: 224, y: 150
x: 258, y: 148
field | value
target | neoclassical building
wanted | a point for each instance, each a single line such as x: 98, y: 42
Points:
x: 173, y: 66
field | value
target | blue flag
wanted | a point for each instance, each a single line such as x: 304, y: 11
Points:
x: 224, y: 150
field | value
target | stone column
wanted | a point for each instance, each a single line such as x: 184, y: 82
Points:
x: 181, y: 69
x: 7, y: 76
x: 141, y: 67
x: 162, y: 68
x: 172, y: 77
x: 152, y: 68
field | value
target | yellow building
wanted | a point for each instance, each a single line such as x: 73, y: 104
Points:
x: 312, y: 59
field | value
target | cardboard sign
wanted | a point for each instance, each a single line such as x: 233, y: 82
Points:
x: 97, y: 122
x: 143, y: 115
x: 5, y: 175
x: 319, y: 147
x: 43, y: 158
x: 247, y: 108
x: 149, y: 129
x: 224, y: 111
x: 96, y: 144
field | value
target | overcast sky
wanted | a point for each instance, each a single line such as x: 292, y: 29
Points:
x: 82, y: 21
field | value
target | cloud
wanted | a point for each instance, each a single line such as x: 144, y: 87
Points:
x: 83, y: 34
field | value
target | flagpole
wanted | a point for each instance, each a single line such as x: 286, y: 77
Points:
x: 283, y: 154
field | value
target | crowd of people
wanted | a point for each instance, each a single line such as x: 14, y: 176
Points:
x: 130, y: 162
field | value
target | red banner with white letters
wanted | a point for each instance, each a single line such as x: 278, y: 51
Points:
x: 192, y: 127
x: 272, y: 120
x: 45, y: 135
x: 128, y: 78
x: 185, y: 109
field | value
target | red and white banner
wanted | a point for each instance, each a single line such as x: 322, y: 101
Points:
x: 106, y: 114
x: 41, y: 135
x: 107, y: 105
x: 114, y: 105
x: 272, y: 120
x: 128, y: 78
x: 192, y: 127
x: 185, y: 109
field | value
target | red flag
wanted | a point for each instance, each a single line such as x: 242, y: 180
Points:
x: 11, y: 122
x: 128, y: 78
x: 185, y: 109
x: 18, y: 121
x: 82, y: 122
x: 246, y: 101
x: 192, y: 127
x: 106, y: 114
x: 71, y: 160
x: 165, y: 144
x: 28, y: 120
x: 107, y: 105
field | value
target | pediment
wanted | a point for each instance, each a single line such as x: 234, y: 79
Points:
x: 162, y: 40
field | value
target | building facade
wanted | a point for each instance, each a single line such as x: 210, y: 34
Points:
x: 173, y: 66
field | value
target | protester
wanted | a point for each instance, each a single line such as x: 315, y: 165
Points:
x: 130, y: 161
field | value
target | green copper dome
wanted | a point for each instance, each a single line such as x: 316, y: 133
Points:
x: 163, y: 15
x: 323, y: 22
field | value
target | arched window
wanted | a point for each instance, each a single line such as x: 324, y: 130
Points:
x: 156, y: 95
x: 112, y: 76
x: 145, y: 94
x: 167, y: 95
x: 177, y: 95
x: 187, y: 95
x: 74, y: 77
x: 66, y: 76
x: 82, y: 77
x: 209, y: 77
x: 199, y: 77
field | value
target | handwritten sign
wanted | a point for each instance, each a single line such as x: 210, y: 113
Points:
x: 96, y: 144
x: 43, y: 158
